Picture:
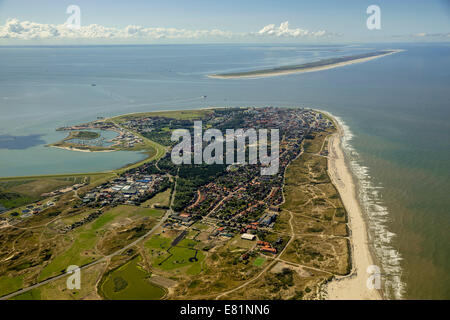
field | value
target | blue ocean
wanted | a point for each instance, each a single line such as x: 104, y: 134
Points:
x: 396, y: 111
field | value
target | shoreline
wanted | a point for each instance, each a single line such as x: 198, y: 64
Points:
x: 81, y: 150
x: 352, y: 286
x: 275, y: 73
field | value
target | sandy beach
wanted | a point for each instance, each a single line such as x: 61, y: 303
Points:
x: 81, y: 150
x: 352, y: 286
x: 274, y: 73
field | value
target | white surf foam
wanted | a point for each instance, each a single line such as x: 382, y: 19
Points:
x: 377, y: 217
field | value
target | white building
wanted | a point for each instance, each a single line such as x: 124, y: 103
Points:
x: 248, y: 236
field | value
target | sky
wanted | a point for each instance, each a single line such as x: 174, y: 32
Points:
x: 209, y: 21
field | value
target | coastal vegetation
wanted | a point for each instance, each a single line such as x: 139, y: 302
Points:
x: 18, y: 192
x: 160, y: 200
x: 85, y: 135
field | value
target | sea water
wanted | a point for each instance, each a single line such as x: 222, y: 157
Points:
x: 395, y: 110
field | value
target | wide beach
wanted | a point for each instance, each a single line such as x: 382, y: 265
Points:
x: 352, y: 286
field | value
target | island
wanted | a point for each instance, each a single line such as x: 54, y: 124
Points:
x: 160, y: 230
x: 323, y: 64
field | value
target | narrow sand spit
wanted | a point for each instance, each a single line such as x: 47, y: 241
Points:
x: 353, y: 286
x: 274, y: 73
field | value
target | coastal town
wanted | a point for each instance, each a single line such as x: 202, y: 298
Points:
x: 201, y: 210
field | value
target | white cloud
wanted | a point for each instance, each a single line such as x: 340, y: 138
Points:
x: 26, y: 30
x: 284, y: 31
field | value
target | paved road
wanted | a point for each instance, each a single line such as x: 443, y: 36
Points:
x: 160, y: 223
x: 150, y: 232
x: 278, y: 257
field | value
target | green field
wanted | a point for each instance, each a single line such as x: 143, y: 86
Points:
x: 131, y: 211
x: 184, y: 255
x: 130, y: 282
x: 259, y: 261
x: 200, y: 226
x: 57, y: 289
x: 161, y: 199
x: 179, y: 257
x: 19, y: 192
x: 84, y: 135
x: 87, y: 236
x: 158, y: 242
x: 179, y: 114
x: 34, y: 294
x: 8, y: 284
x: 73, y: 256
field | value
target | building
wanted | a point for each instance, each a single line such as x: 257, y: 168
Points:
x: 248, y: 236
x: 183, y: 217
x: 269, y: 249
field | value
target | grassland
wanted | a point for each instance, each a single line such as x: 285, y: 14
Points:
x: 10, y: 284
x: 55, y: 176
x: 162, y: 199
x: 179, y: 114
x: 84, y: 135
x: 22, y: 191
x: 259, y: 261
x: 125, y: 211
x: 40, y: 251
x: 29, y: 295
x: 283, y: 281
x: 18, y: 192
x: 77, y: 254
x: 184, y: 258
x: 319, y: 216
x: 130, y: 282
x: 221, y: 271
x: 57, y: 290
x: 93, y: 240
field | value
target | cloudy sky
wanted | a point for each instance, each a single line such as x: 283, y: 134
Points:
x: 194, y: 21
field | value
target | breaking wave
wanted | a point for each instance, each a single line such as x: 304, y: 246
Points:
x: 377, y: 217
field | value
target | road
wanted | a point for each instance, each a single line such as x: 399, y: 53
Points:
x: 280, y: 254
x: 101, y: 260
